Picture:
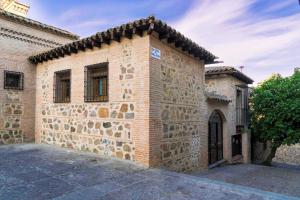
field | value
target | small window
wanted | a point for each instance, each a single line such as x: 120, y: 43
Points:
x: 240, y: 98
x: 62, y: 86
x: 13, y: 80
x: 96, y: 83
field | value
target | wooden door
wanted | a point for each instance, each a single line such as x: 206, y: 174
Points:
x: 215, y: 138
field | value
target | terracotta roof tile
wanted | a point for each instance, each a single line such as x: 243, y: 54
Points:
x: 137, y: 27
x: 210, y: 71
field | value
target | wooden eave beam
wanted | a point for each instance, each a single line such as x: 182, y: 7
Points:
x: 60, y: 52
x: 55, y: 55
x: 127, y: 33
x: 37, y: 59
x: 178, y: 43
x: 171, y: 39
x: 74, y: 47
x: 44, y: 57
x: 116, y: 37
x: 151, y: 28
x: 163, y: 36
x: 137, y: 31
x: 34, y: 60
x: 186, y: 47
x: 89, y: 43
x: 82, y: 45
x: 51, y: 56
x: 203, y: 55
x: 106, y: 37
x: 96, y: 42
x: 67, y: 50
x: 116, y: 34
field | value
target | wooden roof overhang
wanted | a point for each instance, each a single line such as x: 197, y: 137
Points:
x: 137, y: 27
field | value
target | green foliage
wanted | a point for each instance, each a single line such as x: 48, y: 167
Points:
x: 275, y: 110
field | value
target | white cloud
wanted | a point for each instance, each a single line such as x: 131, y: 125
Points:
x: 279, y: 6
x: 237, y: 34
x: 239, y: 37
x: 89, y: 24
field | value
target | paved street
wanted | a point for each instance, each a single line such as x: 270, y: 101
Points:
x: 273, y: 179
x: 45, y: 172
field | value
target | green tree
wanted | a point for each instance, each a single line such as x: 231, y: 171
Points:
x: 275, y: 112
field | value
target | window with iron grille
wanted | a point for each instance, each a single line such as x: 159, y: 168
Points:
x: 242, y: 111
x: 96, y: 83
x: 62, y: 87
x: 13, y: 80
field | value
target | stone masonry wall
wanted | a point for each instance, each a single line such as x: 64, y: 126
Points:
x: 17, y: 108
x: 288, y: 154
x: 116, y: 128
x: 284, y: 154
x: 178, y: 133
x: 12, y: 111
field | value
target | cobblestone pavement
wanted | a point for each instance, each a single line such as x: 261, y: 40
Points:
x: 281, y: 179
x: 45, y: 172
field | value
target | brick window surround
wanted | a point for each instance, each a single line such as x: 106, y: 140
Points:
x: 96, y: 83
x: 13, y: 80
x: 62, y: 86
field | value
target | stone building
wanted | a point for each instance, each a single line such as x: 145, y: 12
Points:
x: 15, y: 7
x: 227, y: 91
x: 21, y: 37
x: 137, y: 92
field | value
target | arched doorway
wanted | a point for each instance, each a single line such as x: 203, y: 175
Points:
x: 215, y: 138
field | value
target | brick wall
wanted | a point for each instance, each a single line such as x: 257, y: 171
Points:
x: 178, y: 132
x: 117, y: 128
x: 17, y: 113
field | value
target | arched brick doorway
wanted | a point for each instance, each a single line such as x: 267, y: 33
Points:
x: 215, y: 138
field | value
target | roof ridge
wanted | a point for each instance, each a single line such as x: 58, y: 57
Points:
x: 37, y: 24
x: 136, y: 27
x: 231, y: 70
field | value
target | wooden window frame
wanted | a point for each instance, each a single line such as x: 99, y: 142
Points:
x: 21, y: 80
x: 90, y: 90
x: 58, y: 96
x: 242, y: 108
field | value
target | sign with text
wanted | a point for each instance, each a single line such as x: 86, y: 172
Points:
x: 155, y: 53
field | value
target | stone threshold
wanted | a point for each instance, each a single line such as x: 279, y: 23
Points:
x: 220, y: 162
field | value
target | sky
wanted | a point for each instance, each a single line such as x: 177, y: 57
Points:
x: 261, y: 35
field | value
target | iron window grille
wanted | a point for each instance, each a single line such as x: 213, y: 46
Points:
x: 62, y: 86
x: 242, y: 107
x: 13, y: 80
x: 96, y: 83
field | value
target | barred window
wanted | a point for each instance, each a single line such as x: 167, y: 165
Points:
x: 13, y: 80
x: 62, y: 86
x: 96, y: 83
